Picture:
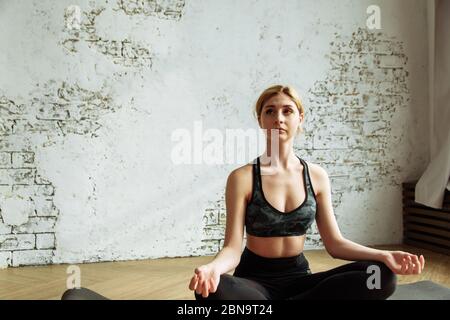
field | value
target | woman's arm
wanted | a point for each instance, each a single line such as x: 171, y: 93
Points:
x: 235, y: 200
x: 335, y: 244
x: 340, y: 248
x: 237, y: 189
x: 207, y: 277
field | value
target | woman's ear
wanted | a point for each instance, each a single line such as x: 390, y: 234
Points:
x: 302, y: 117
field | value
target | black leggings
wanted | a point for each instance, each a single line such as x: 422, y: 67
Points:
x: 260, y: 278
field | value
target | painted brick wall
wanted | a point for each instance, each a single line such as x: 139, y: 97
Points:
x: 87, y: 113
x: 28, y: 213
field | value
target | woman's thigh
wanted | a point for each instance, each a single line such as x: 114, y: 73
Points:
x: 363, y: 279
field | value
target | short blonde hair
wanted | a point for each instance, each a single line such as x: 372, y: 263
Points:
x: 273, y: 91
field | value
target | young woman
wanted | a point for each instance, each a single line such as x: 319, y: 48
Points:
x: 276, y: 203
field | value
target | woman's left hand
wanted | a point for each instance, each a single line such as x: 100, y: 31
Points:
x: 404, y: 263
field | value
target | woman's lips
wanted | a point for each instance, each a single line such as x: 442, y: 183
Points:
x: 278, y: 129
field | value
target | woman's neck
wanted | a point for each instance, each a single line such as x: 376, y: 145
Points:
x: 281, y: 155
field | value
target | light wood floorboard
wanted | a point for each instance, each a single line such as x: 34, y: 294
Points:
x: 167, y: 278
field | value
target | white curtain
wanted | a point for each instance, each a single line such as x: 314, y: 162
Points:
x: 431, y: 186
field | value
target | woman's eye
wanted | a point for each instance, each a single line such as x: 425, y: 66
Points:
x: 268, y: 111
x: 288, y: 111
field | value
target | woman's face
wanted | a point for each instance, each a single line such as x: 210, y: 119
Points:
x: 280, y: 112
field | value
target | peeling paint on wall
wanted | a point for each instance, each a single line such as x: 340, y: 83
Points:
x: 28, y: 215
x: 214, y: 228
x: 171, y: 9
x: 351, y: 113
x: 124, y: 51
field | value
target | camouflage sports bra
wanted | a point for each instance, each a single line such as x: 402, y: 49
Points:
x: 263, y: 220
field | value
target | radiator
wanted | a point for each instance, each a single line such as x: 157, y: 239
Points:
x: 423, y: 226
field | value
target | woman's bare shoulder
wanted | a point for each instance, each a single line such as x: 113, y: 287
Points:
x: 242, y: 173
x: 240, y: 179
x: 314, y: 167
x: 318, y: 175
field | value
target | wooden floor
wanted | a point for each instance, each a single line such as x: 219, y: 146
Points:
x: 167, y: 278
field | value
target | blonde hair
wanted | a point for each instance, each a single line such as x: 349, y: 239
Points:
x: 273, y: 91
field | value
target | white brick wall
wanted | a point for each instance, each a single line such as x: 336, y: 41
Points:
x: 15, y: 209
x: 31, y: 257
x: 45, y: 241
x: 36, y: 225
x: 5, y: 259
x: 23, y: 159
x: 89, y: 149
x: 5, y: 159
x: 45, y: 207
x: 17, y: 242
x: 4, y: 229
x: 18, y: 176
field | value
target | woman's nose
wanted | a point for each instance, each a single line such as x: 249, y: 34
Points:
x: 279, y: 117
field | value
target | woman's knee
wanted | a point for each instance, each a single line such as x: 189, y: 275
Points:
x: 82, y: 294
x: 70, y: 294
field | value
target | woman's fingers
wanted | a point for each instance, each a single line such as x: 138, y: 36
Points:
x: 193, y: 283
x: 404, y: 266
x: 198, y: 288
x: 205, y: 291
x: 410, y: 266
x: 202, y: 282
x: 422, y: 261
x: 418, y: 268
x: 212, y: 287
x: 200, y: 285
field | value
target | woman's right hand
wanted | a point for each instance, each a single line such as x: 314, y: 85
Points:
x: 205, y: 280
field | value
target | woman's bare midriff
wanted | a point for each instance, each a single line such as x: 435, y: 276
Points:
x: 276, y: 247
